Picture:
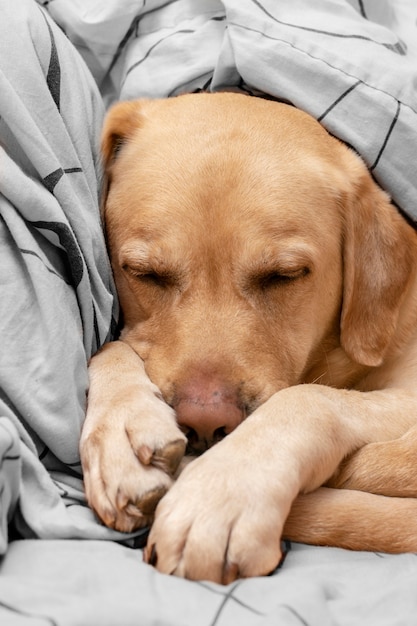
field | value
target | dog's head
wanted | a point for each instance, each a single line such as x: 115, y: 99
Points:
x: 251, y: 251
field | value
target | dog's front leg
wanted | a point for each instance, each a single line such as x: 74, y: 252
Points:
x: 130, y: 444
x: 225, y: 515
x: 385, y: 468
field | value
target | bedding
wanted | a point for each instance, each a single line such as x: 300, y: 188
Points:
x: 351, y: 64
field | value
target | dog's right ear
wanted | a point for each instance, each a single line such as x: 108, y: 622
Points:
x: 120, y: 124
x: 380, y: 256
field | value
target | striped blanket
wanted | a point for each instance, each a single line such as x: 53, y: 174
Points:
x: 350, y: 63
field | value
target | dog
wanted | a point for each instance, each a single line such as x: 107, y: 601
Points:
x: 269, y: 296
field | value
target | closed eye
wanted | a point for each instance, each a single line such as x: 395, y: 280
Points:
x: 151, y: 277
x: 280, y: 278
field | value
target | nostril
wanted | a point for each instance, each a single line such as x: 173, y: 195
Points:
x: 192, y: 436
x: 219, y: 434
x: 196, y: 444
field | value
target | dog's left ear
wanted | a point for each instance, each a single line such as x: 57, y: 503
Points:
x: 120, y: 125
x: 380, y: 258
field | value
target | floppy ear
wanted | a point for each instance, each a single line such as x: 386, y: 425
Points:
x: 380, y: 257
x: 120, y: 124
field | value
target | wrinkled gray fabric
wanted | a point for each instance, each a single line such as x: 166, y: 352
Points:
x: 56, y: 289
x: 357, y: 76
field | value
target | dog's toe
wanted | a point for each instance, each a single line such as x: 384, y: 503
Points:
x: 135, y: 508
x: 169, y: 457
x: 148, y: 502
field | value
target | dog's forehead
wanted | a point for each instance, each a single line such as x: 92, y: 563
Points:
x: 234, y: 192
x: 224, y: 165
x: 248, y: 228
x: 197, y: 121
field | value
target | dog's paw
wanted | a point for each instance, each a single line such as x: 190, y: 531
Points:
x: 129, y: 458
x: 221, y: 520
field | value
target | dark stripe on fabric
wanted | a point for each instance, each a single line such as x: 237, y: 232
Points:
x: 53, y: 179
x: 397, y: 47
x: 229, y: 596
x: 245, y: 605
x: 178, y: 32
x: 124, y: 41
x: 96, y: 330
x: 73, y: 170
x: 412, y: 221
x: 53, y: 78
x: 362, y: 9
x: 339, y: 99
x: 11, y: 458
x: 133, y: 29
x: 408, y: 218
x: 69, y: 243
x: 29, y: 614
x: 300, y: 619
x: 155, y: 45
x: 48, y: 269
x: 388, y: 135
x: 44, y: 453
x: 321, y: 60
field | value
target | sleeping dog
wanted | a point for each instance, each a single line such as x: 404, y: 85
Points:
x: 269, y: 299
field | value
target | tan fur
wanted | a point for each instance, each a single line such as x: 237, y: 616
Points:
x: 269, y: 292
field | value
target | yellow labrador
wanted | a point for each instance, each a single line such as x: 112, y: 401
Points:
x: 269, y: 292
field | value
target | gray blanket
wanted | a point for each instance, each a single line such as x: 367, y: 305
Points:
x: 56, y: 298
x: 352, y: 64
